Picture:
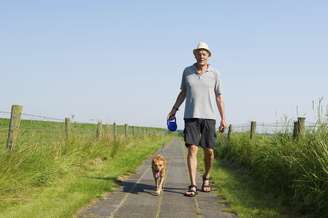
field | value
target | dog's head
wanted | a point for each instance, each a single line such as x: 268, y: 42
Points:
x: 158, y: 163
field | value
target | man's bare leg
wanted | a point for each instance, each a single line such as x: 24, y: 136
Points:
x: 192, y: 163
x: 208, y: 159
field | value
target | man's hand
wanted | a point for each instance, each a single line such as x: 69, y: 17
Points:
x: 223, y: 125
x: 171, y: 115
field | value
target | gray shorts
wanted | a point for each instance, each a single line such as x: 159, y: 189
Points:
x: 200, y: 132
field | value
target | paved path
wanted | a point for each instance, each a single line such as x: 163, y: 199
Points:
x: 135, y: 197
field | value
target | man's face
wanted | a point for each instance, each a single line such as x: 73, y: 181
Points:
x: 202, y: 57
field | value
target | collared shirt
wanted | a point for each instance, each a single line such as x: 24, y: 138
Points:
x: 201, y: 91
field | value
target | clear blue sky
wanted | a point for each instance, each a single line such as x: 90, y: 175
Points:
x: 122, y: 60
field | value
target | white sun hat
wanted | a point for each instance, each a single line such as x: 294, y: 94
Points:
x: 202, y: 45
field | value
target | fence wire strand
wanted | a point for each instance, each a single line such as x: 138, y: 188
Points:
x: 239, y: 127
x: 35, y: 116
x: 42, y: 117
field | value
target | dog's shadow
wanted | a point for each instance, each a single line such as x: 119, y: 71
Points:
x: 136, y: 188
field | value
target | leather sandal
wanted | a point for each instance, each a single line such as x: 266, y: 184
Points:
x: 192, y: 191
x: 208, y: 187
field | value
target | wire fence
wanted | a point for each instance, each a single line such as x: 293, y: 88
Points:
x: 40, y: 117
x: 261, y: 127
x: 35, y: 128
x: 28, y: 116
x: 48, y: 126
x: 271, y: 128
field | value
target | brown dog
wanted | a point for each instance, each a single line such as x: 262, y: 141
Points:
x: 159, y: 168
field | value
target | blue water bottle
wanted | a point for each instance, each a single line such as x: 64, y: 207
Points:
x: 172, y: 124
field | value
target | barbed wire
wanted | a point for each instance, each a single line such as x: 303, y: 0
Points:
x: 49, y: 118
x: 272, y: 130
x: 42, y: 117
x: 272, y: 125
x: 35, y: 116
x: 234, y: 126
x: 4, y: 112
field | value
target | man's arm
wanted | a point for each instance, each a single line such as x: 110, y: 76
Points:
x: 181, y: 97
x: 220, y: 105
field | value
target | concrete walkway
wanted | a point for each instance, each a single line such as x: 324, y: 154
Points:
x: 135, y: 197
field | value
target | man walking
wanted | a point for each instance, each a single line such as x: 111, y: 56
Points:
x: 201, y: 88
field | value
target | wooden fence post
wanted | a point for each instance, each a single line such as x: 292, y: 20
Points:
x: 253, y: 129
x: 114, y: 131
x: 295, y: 130
x: 15, y: 118
x: 67, y: 128
x: 229, y: 132
x: 126, y: 131
x: 133, y: 130
x: 301, y: 126
x: 99, y: 130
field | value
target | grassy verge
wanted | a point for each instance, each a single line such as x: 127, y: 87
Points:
x: 289, y: 173
x: 245, y: 196
x: 47, y: 177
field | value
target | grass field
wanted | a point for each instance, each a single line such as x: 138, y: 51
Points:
x: 287, y: 173
x: 244, y: 196
x: 48, y: 176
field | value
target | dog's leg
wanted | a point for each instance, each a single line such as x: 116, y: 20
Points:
x: 160, y: 188
x: 158, y: 182
x: 155, y: 180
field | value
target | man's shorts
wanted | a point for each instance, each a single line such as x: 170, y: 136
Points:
x: 200, y: 132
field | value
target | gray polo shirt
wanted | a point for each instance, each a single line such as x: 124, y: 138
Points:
x: 201, y: 91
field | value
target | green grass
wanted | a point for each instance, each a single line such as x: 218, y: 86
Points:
x: 244, y: 196
x: 294, y: 171
x: 46, y: 176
